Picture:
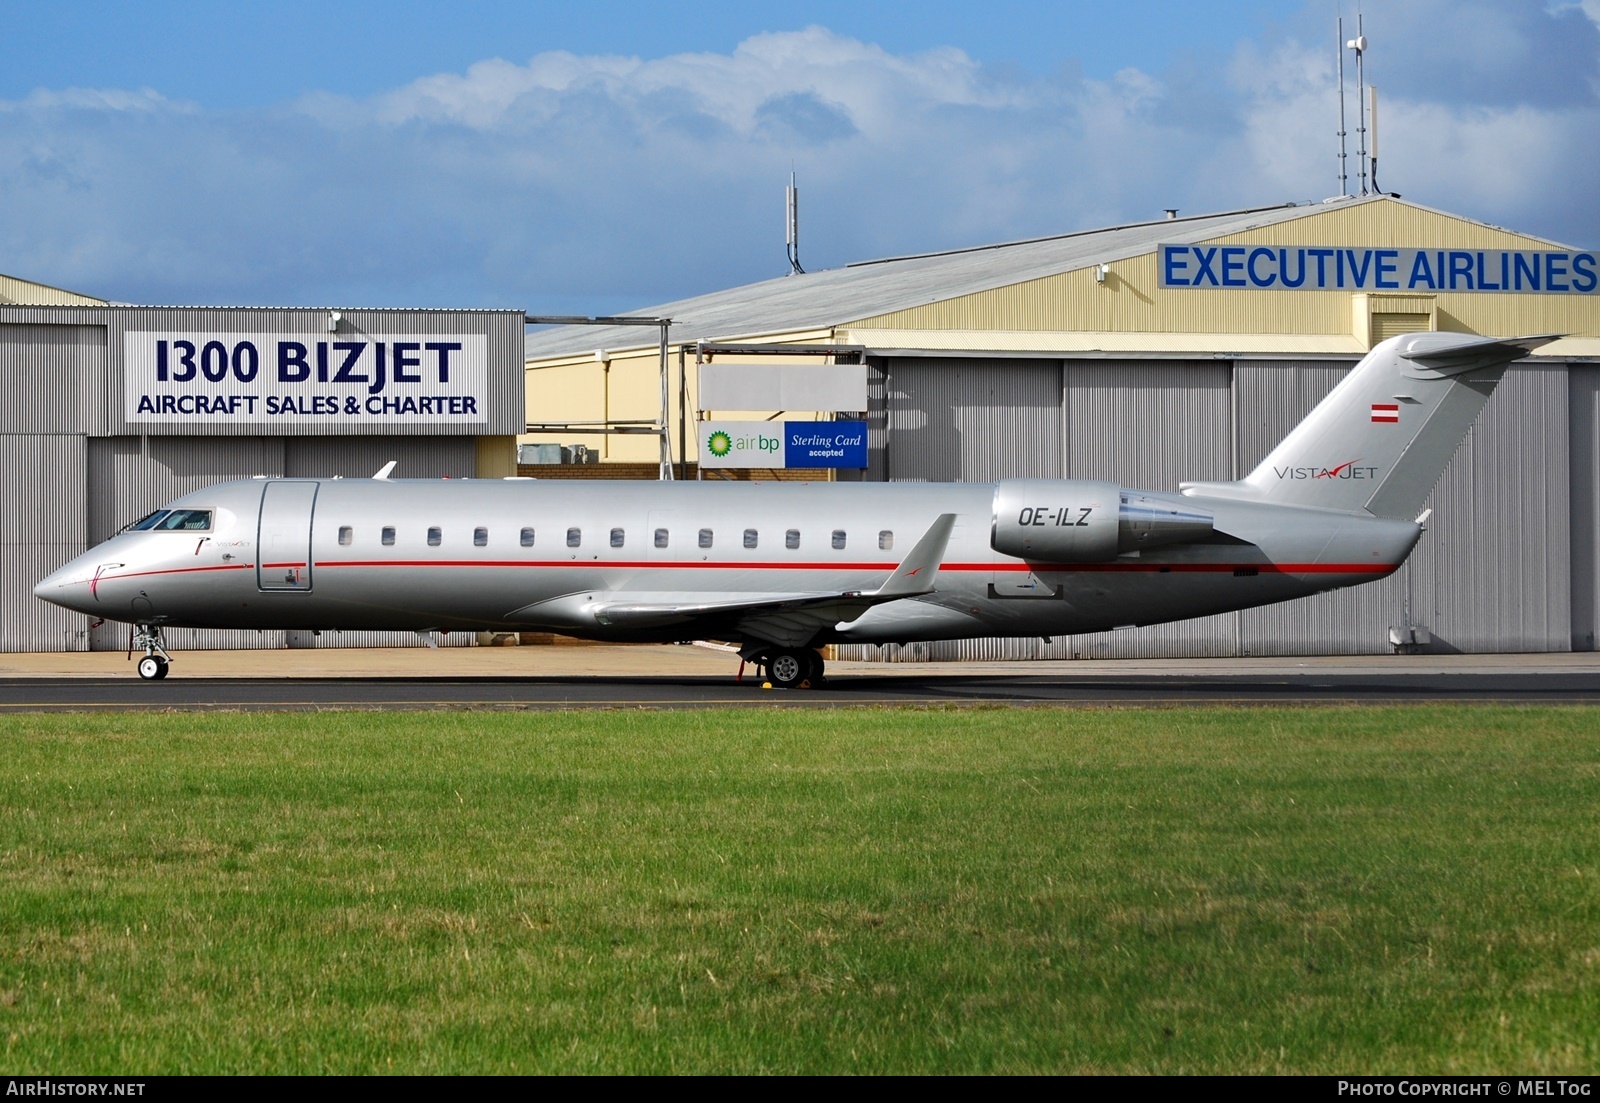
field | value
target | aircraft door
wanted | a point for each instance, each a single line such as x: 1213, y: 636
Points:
x: 283, y: 537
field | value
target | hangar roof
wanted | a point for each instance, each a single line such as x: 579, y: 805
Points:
x: 866, y: 289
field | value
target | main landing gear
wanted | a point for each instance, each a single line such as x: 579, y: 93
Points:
x: 153, y: 667
x: 793, y: 667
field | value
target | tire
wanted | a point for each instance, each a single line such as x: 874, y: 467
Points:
x: 151, y: 668
x: 165, y: 666
x: 815, y: 666
x: 786, y: 669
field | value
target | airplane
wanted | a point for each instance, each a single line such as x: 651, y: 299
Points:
x: 781, y: 569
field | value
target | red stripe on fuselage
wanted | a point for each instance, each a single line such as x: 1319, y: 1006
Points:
x: 1075, y: 568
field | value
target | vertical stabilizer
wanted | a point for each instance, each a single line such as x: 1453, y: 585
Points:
x: 1383, y: 436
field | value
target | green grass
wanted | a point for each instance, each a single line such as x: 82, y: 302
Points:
x: 1186, y: 890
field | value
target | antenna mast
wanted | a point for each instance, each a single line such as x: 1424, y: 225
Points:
x: 791, y: 237
x: 1359, y: 45
x: 1338, y: 49
x: 1372, y: 119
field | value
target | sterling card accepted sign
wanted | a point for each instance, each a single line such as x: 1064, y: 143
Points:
x: 783, y: 444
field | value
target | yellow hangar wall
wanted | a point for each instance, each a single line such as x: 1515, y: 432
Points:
x: 1073, y: 313
x: 1132, y: 302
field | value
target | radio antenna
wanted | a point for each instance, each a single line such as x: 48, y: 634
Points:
x: 1359, y: 45
x: 791, y: 236
x: 1344, y: 178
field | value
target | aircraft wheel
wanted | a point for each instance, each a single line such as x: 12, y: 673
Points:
x: 786, y: 669
x: 814, y: 667
x: 165, y: 666
x: 151, y: 668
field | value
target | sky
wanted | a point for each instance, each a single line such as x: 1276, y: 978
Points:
x: 597, y: 157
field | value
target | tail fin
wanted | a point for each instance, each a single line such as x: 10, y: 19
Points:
x: 1383, y: 436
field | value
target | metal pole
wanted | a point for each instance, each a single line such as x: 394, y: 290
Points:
x: 1361, y: 103
x: 1344, y: 177
x: 683, y: 427
x: 666, y: 409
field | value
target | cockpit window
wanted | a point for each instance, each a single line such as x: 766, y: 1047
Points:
x: 148, y: 521
x: 185, y: 520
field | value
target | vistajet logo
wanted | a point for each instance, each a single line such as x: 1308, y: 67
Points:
x: 1346, y: 470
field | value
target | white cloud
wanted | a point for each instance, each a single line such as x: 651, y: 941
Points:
x: 604, y: 182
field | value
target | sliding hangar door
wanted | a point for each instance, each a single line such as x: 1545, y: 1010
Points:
x: 1507, y: 561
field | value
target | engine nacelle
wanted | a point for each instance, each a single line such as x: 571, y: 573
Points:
x: 1085, y: 521
x: 1056, y: 520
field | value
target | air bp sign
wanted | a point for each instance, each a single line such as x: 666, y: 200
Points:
x: 206, y: 378
x: 783, y: 444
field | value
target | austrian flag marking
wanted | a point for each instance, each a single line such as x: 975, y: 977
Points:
x: 1387, y: 412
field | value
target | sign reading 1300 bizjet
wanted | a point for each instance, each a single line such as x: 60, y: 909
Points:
x: 305, y: 378
x: 1331, y: 268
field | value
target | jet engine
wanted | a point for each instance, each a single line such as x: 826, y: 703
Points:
x: 1084, y: 521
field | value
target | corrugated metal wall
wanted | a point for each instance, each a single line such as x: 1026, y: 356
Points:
x: 1493, y: 572
x: 52, y: 377
x: 361, y: 457
x: 42, y: 502
x: 1584, y: 408
x: 965, y: 420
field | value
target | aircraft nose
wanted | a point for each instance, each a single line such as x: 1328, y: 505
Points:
x: 67, y: 586
x: 47, y: 586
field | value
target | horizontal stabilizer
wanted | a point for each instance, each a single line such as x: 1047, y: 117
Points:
x: 1471, y: 351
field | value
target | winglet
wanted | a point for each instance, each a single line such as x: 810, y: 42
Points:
x: 916, y: 573
x: 386, y: 470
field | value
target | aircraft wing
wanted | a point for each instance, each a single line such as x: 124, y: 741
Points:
x: 792, y: 618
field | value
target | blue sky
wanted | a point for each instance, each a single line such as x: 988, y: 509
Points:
x: 604, y: 156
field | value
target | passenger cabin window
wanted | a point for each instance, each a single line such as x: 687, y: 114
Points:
x: 574, y: 537
x: 705, y: 538
x: 480, y: 537
x: 886, y: 540
x: 838, y: 539
x: 791, y: 539
x: 527, y: 538
x: 661, y: 538
x: 750, y: 538
x: 184, y: 520
x: 434, y: 537
x: 347, y: 536
x: 617, y: 538
x: 388, y: 536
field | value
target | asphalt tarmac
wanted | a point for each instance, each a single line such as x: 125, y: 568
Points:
x: 692, y: 677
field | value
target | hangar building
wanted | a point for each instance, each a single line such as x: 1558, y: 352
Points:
x: 1179, y: 349
x: 107, y: 411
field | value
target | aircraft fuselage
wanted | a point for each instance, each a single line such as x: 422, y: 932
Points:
x: 527, y: 554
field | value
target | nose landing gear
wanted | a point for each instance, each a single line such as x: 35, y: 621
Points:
x: 153, y: 667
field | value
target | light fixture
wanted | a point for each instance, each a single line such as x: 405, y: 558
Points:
x: 333, y: 321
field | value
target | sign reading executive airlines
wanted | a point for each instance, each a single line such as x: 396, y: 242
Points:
x: 1330, y: 268
x: 305, y: 378
x: 783, y: 444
